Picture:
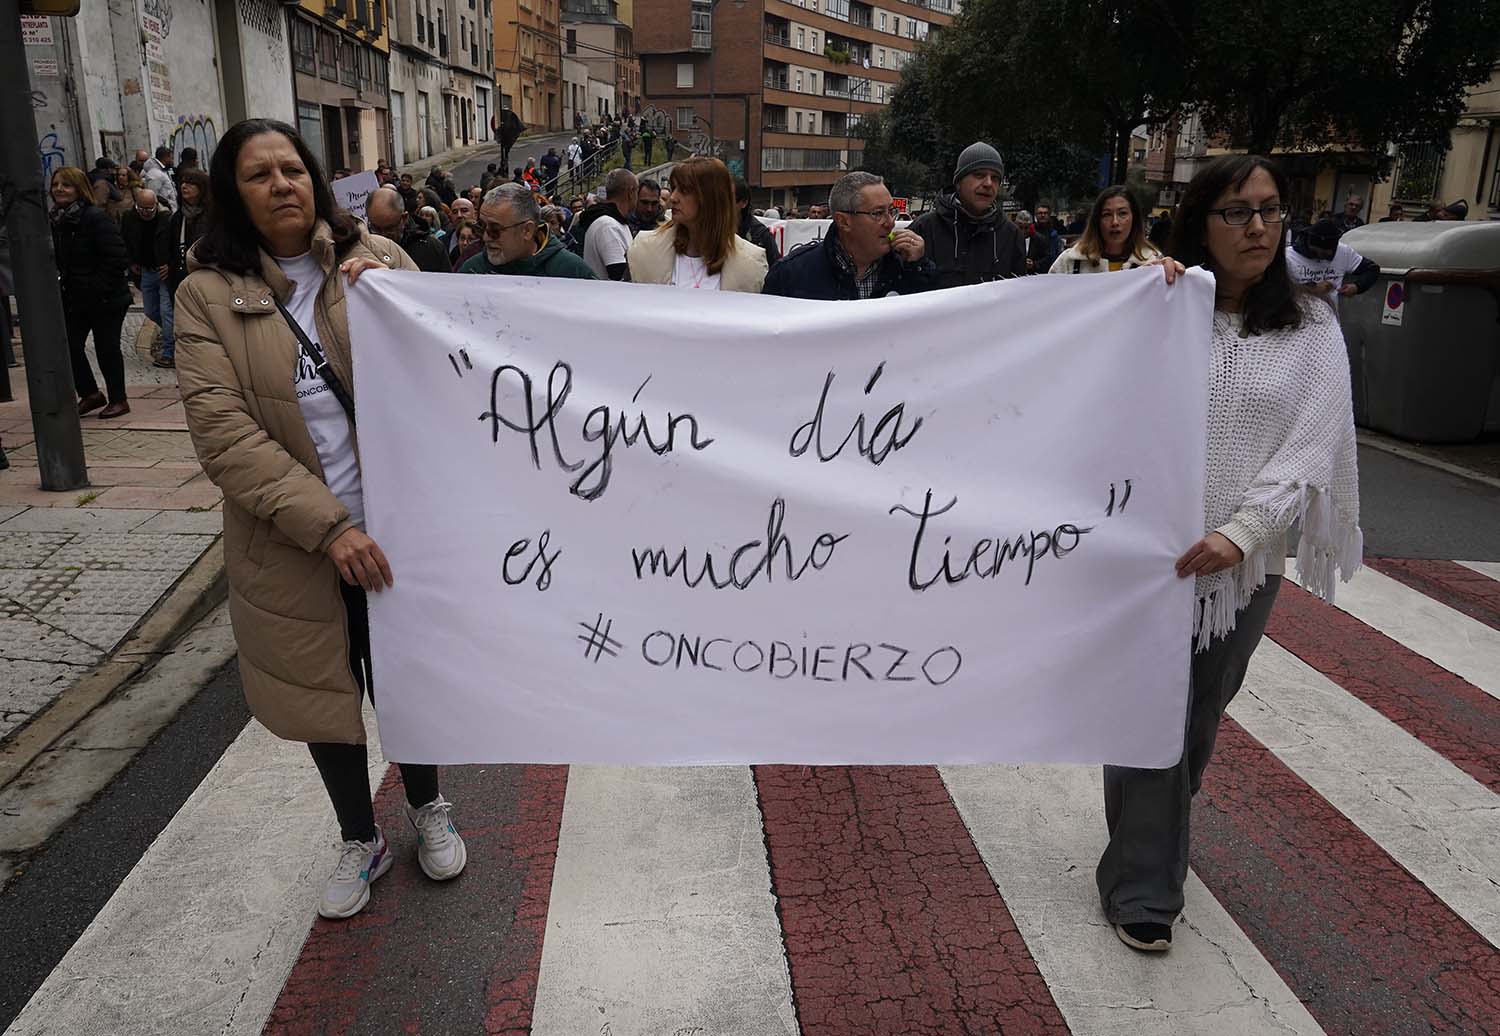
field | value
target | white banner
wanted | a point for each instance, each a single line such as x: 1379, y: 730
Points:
x: 629, y: 525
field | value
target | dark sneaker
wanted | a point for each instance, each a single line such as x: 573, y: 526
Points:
x: 1147, y: 936
x: 164, y: 361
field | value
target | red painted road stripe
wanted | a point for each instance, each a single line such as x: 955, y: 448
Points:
x: 1462, y: 589
x: 1361, y: 942
x: 424, y: 957
x: 1447, y: 713
x: 893, y: 926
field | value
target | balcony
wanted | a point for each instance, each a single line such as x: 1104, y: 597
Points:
x: 778, y: 39
x: 776, y: 82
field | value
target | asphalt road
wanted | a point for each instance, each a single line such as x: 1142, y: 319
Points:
x: 1408, y: 511
x: 466, y: 174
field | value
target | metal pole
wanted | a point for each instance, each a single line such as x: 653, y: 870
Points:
x: 49, y: 375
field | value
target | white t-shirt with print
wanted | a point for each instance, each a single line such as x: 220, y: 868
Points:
x: 605, y: 245
x: 691, y: 271
x: 1304, y: 270
x: 326, y: 421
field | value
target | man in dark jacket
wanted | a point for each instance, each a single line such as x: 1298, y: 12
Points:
x: 387, y: 216
x: 516, y: 240
x: 1046, y: 228
x: 647, y: 214
x: 147, y: 230
x: 751, y: 228
x: 966, y: 233
x: 861, y: 256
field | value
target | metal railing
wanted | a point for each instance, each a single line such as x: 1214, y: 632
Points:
x: 776, y: 83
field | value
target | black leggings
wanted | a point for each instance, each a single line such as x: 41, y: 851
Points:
x: 105, y: 324
x: 345, y: 769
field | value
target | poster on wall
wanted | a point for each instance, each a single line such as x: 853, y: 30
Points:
x: 36, y: 31
x: 157, y: 75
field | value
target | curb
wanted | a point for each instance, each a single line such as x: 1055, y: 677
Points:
x: 200, y: 589
x: 1384, y: 444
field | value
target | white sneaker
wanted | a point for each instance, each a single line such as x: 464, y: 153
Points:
x: 348, y: 888
x: 440, y: 850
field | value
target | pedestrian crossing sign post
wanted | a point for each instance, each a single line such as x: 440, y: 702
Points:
x: 1395, y: 304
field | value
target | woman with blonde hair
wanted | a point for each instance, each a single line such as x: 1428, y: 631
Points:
x: 699, y: 246
x: 1113, y: 239
x: 91, y: 265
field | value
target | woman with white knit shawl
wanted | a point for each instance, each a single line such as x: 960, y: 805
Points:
x: 1280, y: 449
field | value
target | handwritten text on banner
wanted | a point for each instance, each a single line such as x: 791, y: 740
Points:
x: 633, y: 524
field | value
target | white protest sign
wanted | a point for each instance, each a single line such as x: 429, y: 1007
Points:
x: 789, y: 233
x: 352, y: 193
x: 633, y: 525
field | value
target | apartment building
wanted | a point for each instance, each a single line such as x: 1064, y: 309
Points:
x: 777, y: 88
x: 528, y: 60
x: 442, y: 75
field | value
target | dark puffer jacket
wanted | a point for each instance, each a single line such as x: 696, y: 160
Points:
x: 970, y: 249
x: 91, y: 260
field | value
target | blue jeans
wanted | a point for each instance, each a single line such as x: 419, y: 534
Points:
x: 156, y: 294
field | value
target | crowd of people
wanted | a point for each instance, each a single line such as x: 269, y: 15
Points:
x: 255, y: 259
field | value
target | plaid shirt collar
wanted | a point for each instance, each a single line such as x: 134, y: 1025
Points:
x: 864, y: 286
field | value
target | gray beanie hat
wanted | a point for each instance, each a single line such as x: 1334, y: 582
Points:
x: 978, y: 155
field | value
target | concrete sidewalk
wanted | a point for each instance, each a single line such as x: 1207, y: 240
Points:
x: 79, y: 571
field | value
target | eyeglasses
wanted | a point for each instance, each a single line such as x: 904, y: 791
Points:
x: 495, y: 229
x: 879, y: 215
x: 1241, y: 215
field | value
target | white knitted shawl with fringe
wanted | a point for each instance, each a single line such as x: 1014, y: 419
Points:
x: 1281, y: 448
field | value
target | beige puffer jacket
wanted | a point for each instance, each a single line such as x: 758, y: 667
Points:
x: 235, y: 362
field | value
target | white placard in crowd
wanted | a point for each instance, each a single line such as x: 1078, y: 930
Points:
x: 632, y: 525
x: 789, y: 233
x: 353, y: 192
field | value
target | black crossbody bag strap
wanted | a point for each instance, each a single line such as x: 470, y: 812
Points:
x: 320, y: 363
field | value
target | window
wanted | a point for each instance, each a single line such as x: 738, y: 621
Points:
x: 421, y: 27
x: 1495, y: 172
x: 382, y: 74
x: 366, y: 68
x: 799, y: 122
x: 801, y: 39
x: 377, y: 16
x: 572, y: 41
x: 799, y: 80
x: 815, y: 48
x: 703, y: 25
x: 684, y: 118
x: 882, y: 21
x: 880, y: 56
x: 328, y: 56
x: 463, y: 34
x: 305, y: 47
x: 684, y: 75
x: 812, y: 122
x: 348, y: 63
x: 812, y: 84
x: 1419, y: 173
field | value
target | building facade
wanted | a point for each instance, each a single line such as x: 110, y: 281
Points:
x: 595, y: 32
x: 777, y: 88
x: 341, y: 79
x: 1469, y: 170
x: 145, y: 73
x: 528, y: 61
x: 442, y: 76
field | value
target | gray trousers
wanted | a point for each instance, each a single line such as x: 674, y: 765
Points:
x: 1141, y: 873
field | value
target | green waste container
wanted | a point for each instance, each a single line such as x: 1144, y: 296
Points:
x: 1424, y: 343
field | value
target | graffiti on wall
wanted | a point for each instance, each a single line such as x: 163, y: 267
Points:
x: 195, y: 131
x: 50, y: 148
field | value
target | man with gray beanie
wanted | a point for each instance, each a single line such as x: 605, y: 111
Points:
x: 966, y: 233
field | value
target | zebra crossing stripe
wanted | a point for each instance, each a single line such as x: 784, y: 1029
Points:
x: 1462, y: 588
x: 661, y: 917
x: 1431, y: 817
x: 1040, y: 830
x: 1462, y: 645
